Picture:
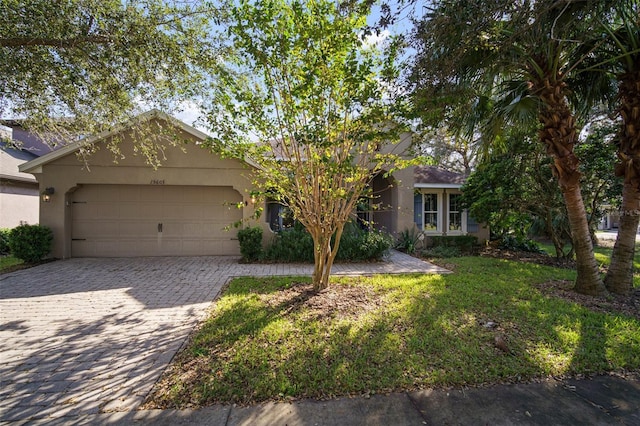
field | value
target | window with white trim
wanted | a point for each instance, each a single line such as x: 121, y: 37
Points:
x: 457, y: 216
x: 431, y: 216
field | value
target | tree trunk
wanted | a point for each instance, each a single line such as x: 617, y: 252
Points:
x: 588, y: 280
x: 619, y: 277
x: 559, y: 136
x: 322, y: 262
x: 324, y: 255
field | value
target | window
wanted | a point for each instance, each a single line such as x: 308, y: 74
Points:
x: 457, y: 215
x: 279, y: 217
x: 430, y: 212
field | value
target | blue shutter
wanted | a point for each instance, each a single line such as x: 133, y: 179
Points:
x: 417, y: 210
x: 472, y: 225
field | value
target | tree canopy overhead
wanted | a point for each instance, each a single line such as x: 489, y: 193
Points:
x: 98, y: 61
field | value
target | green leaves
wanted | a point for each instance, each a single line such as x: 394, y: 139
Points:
x: 305, y: 98
x: 98, y: 61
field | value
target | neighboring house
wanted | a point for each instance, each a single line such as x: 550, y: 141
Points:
x: 19, y: 194
x: 104, y: 208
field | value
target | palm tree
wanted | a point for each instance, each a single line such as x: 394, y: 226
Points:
x: 523, y: 52
x: 622, y: 53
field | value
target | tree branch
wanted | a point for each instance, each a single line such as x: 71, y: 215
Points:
x: 53, y: 42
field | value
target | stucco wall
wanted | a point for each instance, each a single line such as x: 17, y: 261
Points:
x: 186, y: 164
x: 18, y: 203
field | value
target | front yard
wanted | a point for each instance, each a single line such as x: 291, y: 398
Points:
x: 491, y: 321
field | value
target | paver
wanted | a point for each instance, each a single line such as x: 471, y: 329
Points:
x: 83, y: 336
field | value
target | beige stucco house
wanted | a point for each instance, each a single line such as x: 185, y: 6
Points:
x: 107, y: 206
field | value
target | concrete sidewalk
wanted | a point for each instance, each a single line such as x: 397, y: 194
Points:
x: 602, y: 400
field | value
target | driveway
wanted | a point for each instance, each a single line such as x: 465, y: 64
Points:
x: 84, y: 336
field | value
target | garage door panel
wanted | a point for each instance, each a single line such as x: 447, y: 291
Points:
x: 122, y: 220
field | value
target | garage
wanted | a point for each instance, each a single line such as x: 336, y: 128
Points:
x: 153, y: 220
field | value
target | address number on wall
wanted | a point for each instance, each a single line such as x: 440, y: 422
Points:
x: 157, y: 181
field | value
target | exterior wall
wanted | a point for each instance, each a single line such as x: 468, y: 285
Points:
x: 186, y: 164
x: 19, y: 203
x: 403, y: 200
x: 19, y: 197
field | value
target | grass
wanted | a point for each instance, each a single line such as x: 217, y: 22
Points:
x: 411, y: 332
x: 603, y: 257
x: 9, y: 262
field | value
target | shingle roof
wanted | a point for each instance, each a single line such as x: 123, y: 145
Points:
x: 436, y: 175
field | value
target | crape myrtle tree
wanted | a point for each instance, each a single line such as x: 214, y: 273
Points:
x: 78, y: 67
x: 515, y: 59
x: 307, y: 101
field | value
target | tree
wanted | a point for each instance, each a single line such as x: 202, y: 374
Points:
x: 515, y: 59
x: 621, y: 55
x: 450, y: 151
x: 97, y: 62
x: 513, y: 189
x: 306, y: 100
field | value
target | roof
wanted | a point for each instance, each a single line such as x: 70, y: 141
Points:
x: 435, y: 177
x: 34, y: 166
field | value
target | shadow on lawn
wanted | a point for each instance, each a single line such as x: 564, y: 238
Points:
x: 424, y: 331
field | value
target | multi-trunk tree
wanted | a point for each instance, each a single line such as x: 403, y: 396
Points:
x: 306, y: 99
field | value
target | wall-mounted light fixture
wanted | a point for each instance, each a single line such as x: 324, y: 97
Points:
x: 47, y: 193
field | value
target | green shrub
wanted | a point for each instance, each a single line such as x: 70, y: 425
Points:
x: 443, y: 251
x: 30, y: 242
x: 407, y: 240
x: 357, y: 244
x: 296, y: 245
x: 510, y: 242
x: 464, y: 243
x: 291, y: 245
x: 4, y: 241
x: 250, y: 243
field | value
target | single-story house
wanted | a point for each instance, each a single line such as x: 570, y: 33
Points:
x: 101, y: 207
x: 19, y: 194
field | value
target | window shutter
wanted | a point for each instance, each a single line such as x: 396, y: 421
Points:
x: 417, y: 210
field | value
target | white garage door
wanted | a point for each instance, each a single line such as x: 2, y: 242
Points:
x: 154, y: 220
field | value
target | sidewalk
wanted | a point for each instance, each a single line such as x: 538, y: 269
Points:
x: 603, y: 400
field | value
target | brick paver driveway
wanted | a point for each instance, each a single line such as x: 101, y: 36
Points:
x: 84, y: 336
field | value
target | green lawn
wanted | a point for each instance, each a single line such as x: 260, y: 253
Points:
x: 7, y: 262
x: 603, y: 257
x: 264, y: 341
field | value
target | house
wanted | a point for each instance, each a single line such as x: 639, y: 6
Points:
x: 19, y: 194
x: 437, y: 209
x: 103, y: 206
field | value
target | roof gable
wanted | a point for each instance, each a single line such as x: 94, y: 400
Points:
x: 34, y: 165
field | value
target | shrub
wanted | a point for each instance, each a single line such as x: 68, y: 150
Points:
x: 4, y: 241
x: 358, y: 244
x: 464, y: 243
x: 30, y: 242
x: 291, y: 245
x: 250, y: 243
x: 296, y: 245
x: 443, y: 251
x: 407, y: 240
x: 510, y: 242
